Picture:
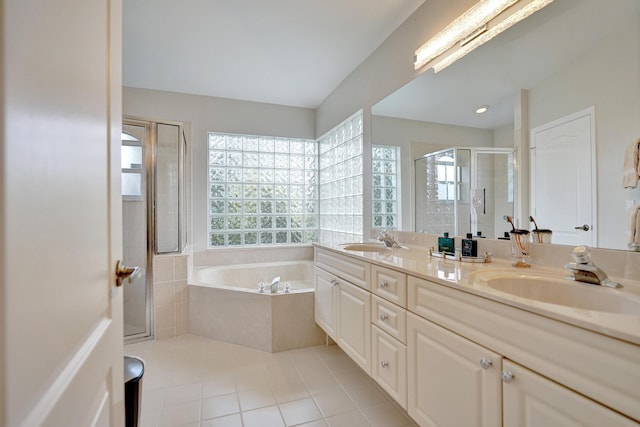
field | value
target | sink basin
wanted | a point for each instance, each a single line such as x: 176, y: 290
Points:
x: 366, y: 247
x: 558, y: 291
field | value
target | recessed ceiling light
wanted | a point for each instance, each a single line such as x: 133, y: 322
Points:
x: 482, y: 109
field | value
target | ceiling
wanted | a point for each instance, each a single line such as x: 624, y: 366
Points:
x: 518, y: 58
x: 288, y: 52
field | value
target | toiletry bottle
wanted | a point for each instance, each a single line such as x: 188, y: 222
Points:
x: 469, y: 246
x: 446, y: 243
x: 479, y: 235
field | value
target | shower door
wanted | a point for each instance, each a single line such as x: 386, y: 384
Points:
x: 136, y: 158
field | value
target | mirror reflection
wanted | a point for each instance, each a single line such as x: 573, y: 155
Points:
x: 571, y: 59
x: 464, y: 190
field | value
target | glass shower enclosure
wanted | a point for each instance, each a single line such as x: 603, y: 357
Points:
x: 153, y: 158
x: 464, y: 190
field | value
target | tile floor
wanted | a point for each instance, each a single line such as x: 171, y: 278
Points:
x: 195, y: 381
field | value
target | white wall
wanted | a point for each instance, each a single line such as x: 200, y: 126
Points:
x: 608, y: 77
x: 207, y: 114
x: 388, y: 67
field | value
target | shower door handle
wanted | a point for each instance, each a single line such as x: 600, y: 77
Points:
x: 123, y: 272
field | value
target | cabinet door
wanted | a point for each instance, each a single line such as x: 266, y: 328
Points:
x: 531, y: 400
x: 451, y: 380
x: 324, y: 301
x: 389, y: 364
x: 354, y: 323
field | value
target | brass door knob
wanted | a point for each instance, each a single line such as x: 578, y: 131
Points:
x: 123, y: 272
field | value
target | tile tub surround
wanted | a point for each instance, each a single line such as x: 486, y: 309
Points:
x: 196, y: 381
x: 170, y: 296
x: 230, y: 308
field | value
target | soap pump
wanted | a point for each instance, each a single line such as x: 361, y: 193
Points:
x: 469, y: 246
x: 446, y: 244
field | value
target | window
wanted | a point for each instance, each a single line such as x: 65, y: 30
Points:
x: 341, y: 180
x: 132, y: 159
x: 262, y: 190
x: 446, y: 176
x: 385, y: 172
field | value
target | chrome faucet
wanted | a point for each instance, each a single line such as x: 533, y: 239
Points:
x: 584, y: 270
x: 387, y: 239
x: 274, y: 284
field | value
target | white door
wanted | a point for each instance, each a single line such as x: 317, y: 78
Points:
x: 563, y: 192
x: 61, y: 349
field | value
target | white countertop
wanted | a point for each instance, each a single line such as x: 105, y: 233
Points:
x: 415, y: 261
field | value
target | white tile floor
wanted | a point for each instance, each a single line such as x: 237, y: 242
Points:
x: 195, y: 381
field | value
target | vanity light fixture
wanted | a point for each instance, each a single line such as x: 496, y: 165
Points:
x: 482, y: 22
x: 482, y: 109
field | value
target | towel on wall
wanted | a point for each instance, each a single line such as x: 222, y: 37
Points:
x: 633, y: 229
x: 631, y: 166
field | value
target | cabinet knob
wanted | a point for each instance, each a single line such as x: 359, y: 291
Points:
x: 384, y: 363
x: 334, y: 282
x: 383, y: 284
x: 485, y: 363
x: 383, y: 317
x: 507, y: 376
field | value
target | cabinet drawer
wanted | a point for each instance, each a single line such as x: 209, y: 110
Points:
x: 389, y: 284
x: 389, y: 365
x: 350, y: 269
x: 390, y: 318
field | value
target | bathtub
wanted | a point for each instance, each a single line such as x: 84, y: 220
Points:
x: 224, y: 304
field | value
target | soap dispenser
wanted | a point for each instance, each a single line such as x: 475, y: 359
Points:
x: 469, y: 246
x: 446, y: 243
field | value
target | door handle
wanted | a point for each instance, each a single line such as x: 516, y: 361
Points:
x: 583, y: 227
x: 123, y: 272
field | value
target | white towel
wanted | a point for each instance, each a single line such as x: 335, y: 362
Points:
x: 633, y: 229
x: 631, y: 166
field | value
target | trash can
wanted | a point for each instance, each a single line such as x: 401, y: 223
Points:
x: 133, y: 372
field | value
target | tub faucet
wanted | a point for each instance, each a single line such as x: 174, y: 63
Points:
x: 584, y: 270
x: 388, y: 240
x: 274, y: 284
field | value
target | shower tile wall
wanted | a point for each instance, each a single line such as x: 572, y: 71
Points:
x: 170, y: 296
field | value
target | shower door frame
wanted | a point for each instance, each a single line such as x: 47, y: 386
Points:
x: 149, y: 159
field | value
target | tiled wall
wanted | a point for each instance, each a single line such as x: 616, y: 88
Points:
x: 170, y: 296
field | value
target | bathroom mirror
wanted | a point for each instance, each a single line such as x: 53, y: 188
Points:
x: 570, y: 56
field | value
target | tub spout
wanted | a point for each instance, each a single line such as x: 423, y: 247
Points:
x: 274, y: 284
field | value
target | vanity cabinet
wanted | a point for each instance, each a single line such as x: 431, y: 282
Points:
x: 552, y: 373
x: 451, y: 381
x: 454, y: 358
x: 343, y: 304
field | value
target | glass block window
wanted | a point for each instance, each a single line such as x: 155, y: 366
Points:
x: 341, y: 179
x: 385, y: 192
x: 262, y: 190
